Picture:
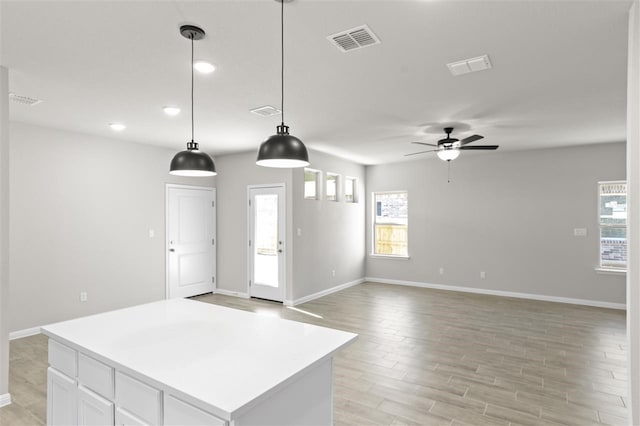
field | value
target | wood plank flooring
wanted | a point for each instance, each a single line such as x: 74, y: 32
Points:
x: 430, y: 357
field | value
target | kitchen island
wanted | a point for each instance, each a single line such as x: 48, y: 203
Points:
x: 183, y: 362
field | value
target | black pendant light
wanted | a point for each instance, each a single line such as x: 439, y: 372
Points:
x: 192, y: 162
x: 282, y: 149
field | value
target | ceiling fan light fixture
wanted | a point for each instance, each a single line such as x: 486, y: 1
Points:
x: 448, y: 154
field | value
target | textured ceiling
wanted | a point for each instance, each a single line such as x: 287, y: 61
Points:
x: 558, y: 76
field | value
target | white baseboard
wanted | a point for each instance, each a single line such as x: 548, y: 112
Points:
x: 323, y: 293
x: 231, y: 293
x: 5, y: 399
x: 24, y: 333
x: 501, y: 293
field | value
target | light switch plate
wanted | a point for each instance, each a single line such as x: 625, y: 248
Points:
x: 580, y: 232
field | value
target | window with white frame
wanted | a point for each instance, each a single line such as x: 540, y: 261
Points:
x: 612, y: 217
x: 311, y: 184
x: 350, y: 189
x: 331, y: 186
x: 390, y: 223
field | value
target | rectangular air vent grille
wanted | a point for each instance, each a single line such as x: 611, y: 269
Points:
x: 25, y: 100
x: 354, y: 38
x: 470, y: 65
x: 266, y: 111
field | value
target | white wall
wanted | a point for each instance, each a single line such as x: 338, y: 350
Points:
x: 332, y: 232
x: 511, y: 215
x: 235, y: 173
x: 633, y: 177
x: 81, y: 209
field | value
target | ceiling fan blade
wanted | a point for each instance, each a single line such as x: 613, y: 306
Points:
x: 424, y: 143
x: 480, y: 147
x: 470, y: 139
x: 421, y: 152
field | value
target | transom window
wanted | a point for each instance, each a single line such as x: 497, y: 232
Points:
x: 350, y: 189
x: 311, y: 184
x: 332, y: 186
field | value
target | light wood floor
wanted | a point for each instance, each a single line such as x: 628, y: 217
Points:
x: 433, y: 357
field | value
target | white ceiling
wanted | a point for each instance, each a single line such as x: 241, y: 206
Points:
x: 558, y: 77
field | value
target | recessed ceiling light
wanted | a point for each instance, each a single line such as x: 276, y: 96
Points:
x: 118, y: 127
x: 204, y: 67
x: 171, y: 110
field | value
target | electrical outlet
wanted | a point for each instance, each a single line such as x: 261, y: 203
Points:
x: 333, y: 272
x: 483, y: 275
x: 152, y: 233
x: 441, y: 270
x: 83, y: 296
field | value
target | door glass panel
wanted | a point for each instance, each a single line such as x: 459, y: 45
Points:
x: 266, y: 240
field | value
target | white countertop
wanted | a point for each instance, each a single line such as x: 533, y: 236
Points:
x: 225, y: 358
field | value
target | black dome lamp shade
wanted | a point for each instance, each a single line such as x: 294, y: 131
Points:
x: 192, y: 161
x: 282, y: 149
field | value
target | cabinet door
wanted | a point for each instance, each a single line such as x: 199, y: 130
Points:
x: 93, y: 410
x: 61, y: 399
x: 124, y: 418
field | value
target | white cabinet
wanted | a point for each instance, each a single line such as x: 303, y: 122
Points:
x: 63, y: 358
x: 93, y: 410
x: 144, y: 401
x: 179, y: 413
x: 96, y: 376
x: 173, y: 362
x: 124, y: 418
x: 61, y: 399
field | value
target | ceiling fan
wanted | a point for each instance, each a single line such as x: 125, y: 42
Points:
x: 449, y: 148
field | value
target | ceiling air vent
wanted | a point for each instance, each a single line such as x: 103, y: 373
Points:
x: 266, y: 111
x: 353, y: 39
x: 25, y: 100
x: 470, y: 65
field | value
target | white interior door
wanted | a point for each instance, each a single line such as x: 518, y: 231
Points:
x: 191, y: 256
x: 266, y: 242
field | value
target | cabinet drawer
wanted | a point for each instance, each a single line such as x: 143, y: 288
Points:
x: 95, y: 375
x: 63, y: 358
x: 139, y: 399
x: 179, y: 413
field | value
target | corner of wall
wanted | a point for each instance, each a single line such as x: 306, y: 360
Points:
x: 633, y: 178
x: 4, y: 236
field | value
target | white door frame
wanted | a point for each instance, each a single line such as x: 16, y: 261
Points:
x: 166, y: 232
x: 284, y: 236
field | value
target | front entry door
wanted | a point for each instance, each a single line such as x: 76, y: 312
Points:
x: 266, y: 242
x: 190, y: 240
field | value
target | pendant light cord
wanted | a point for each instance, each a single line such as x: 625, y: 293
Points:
x: 282, y: 60
x: 192, y: 138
